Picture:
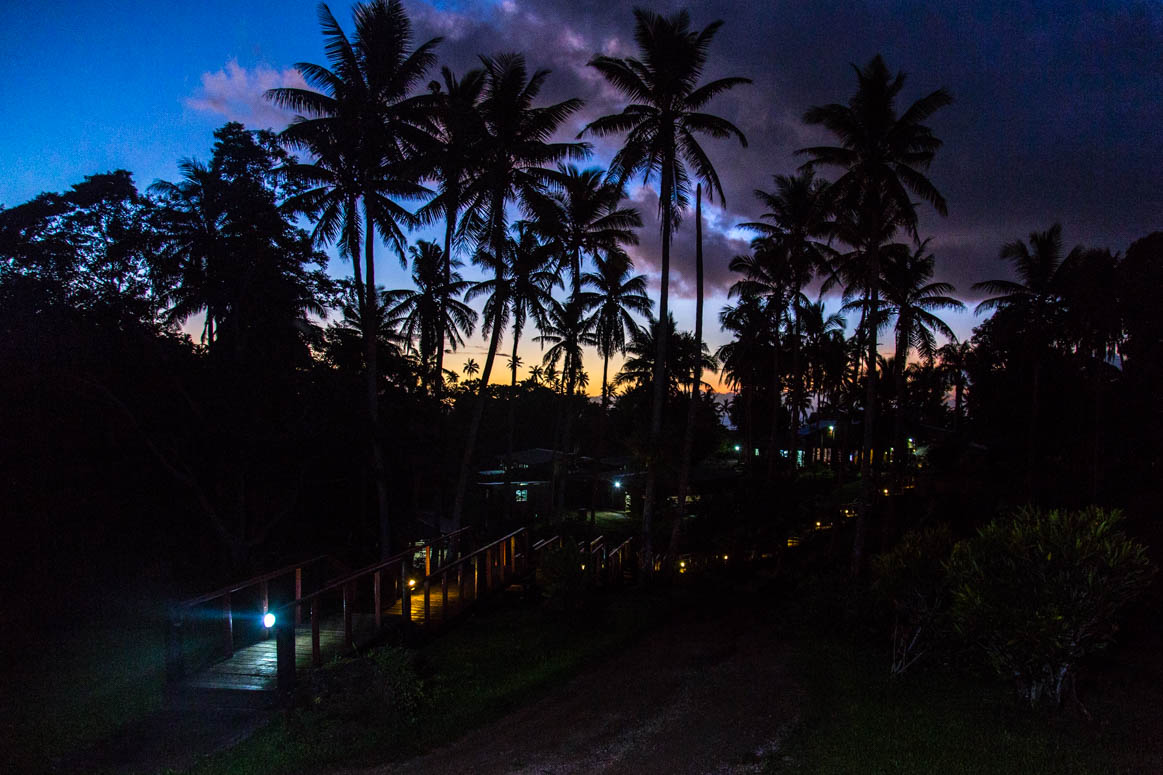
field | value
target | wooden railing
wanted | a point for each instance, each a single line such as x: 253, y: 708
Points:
x: 416, y: 572
x: 490, y: 567
x: 193, y: 622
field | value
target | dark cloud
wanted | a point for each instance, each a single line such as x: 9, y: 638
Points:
x: 1057, y: 113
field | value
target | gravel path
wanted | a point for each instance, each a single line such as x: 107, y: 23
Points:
x: 708, y: 693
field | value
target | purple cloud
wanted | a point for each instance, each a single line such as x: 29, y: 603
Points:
x: 236, y: 93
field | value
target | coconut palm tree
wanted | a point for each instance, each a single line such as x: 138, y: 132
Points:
x: 796, y: 217
x: 356, y: 124
x: 616, y: 296
x: 566, y: 330
x: 450, y: 156
x: 583, y: 218
x: 1034, y: 297
x: 768, y: 276
x: 663, y: 122
x: 193, y: 222
x: 913, y: 298
x: 881, y: 159
x: 515, y: 151
x: 955, y: 363
x: 432, y: 312
x: 471, y: 368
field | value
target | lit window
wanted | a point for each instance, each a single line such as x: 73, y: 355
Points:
x: 522, y: 496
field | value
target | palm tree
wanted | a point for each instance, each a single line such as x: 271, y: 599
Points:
x: 582, y: 218
x: 616, y: 295
x: 193, y: 223
x: 955, y: 363
x: 882, y: 157
x: 741, y: 357
x: 688, y: 441
x: 797, y: 212
x: 767, y: 276
x: 515, y: 149
x: 451, y: 154
x: 1034, y: 298
x: 470, y: 368
x: 662, y: 124
x: 432, y: 312
x: 912, y: 297
x: 357, y: 127
x: 566, y: 330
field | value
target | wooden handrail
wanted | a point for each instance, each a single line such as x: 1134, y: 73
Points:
x: 474, y: 553
x: 366, y: 570
x: 238, y: 587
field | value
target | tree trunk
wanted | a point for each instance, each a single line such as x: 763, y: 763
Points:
x: 776, y: 402
x: 370, y: 331
x: 449, y: 228
x: 798, y: 388
x: 482, y: 391
x: 900, y: 449
x: 688, y: 440
x: 512, y: 426
x: 867, y: 469
x: 601, y: 446
x: 654, y: 451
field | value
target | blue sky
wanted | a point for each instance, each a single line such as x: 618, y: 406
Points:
x: 1057, y: 113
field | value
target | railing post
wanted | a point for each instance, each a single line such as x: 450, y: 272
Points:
x: 443, y: 597
x: 175, y: 666
x: 347, y: 603
x: 428, y: 560
x: 377, y: 594
x: 227, y: 627
x: 264, y: 593
x: 298, y: 596
x: 285, y: 656
x: 459, y: 587
x: 405, y: 595
x: 316, y: 650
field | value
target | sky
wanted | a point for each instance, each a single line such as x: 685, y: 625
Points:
x: 1057, y: 112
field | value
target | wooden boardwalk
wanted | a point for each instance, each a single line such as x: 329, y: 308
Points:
x: 254, y: 667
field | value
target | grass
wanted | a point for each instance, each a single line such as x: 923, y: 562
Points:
x: 859, y: 720
x: 492, y: 662
x: 78, y: 688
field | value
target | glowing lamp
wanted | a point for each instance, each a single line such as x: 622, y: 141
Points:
x: 737, y: 448
x: 617, y: 484
x: 411, y: 583
x: 682, y: 564
x: 268, y: 620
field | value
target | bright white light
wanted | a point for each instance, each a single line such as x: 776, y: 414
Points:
x: 268, y: 620
x: 411, y: 583
x: 617, y: 485
x: 737, y: 447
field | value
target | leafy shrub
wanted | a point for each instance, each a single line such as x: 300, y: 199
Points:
x: 911, y: 582
x: 1040, y: 591
x: 384, y: 683
x: 563, y: 578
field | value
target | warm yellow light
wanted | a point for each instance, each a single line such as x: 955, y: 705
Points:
x: 682, y: 564
x: 411, y: 583
x: 583, y: 566
x: 724, y: 556
x: 817, y: 524
x: 886, y: 491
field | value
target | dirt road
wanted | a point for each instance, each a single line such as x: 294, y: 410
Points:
x: 708, y: 693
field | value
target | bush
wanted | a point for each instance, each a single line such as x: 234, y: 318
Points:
x: 563, y: 576
x: 382, y: 683
x: 1040, y: 591
x: 911, y: 582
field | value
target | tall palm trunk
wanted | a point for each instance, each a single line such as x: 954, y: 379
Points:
x: 650, y: 496
x: 478, y: 411
x: 688, y: 441
x: 370, y: 335
x: 798, y: 377
x: 867, y: 469
x: 776, y: 399
x: 449, y: 227
x: 511, y: 430
x: 601, y: 446
x: 900, y: 450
